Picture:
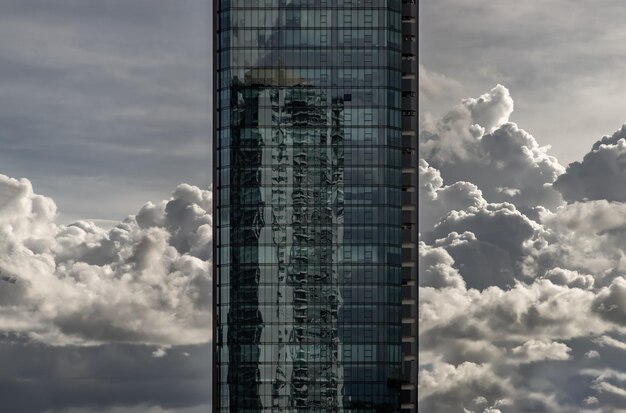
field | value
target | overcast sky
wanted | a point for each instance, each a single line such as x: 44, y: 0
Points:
x: 105, y: 104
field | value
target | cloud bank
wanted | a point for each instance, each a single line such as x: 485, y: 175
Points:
x: 145, y: 281
x: 522, y: 287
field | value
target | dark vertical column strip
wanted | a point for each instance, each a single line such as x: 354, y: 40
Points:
x: 409, y: 204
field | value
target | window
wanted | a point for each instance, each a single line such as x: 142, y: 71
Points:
x: 367, y: 136
x: 368, y: 78
x: 367, y: 276
x: 348, y: 335
x: 367, y: 374
x: 368, y: 18
x: 368, y: 254
x: 347, y: 253
x: 368, y: 115
x: 347, y: 78
x: 368, y: 334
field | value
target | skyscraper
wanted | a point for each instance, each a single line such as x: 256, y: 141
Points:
x: 314, y: 251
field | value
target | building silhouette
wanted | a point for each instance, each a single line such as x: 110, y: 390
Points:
x: 315, y: 233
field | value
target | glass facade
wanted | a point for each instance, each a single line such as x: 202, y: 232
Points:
x: 308, y: 156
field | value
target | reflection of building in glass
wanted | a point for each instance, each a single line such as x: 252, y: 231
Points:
x: 308, y: 264
x: 285, y: 208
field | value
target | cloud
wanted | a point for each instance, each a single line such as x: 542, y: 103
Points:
x: 587, y: 237
x: 600, y: 175
x: 435, y: 268
x: 558, y: 62
x: 572, y: 279
x: 516, y: 287
x: 492, y: 109
x: 610, y: 303
x: 437, y: 200
x: 537, y: 350
x: 474, y: 142
x: 106, y: 378
x: 489, y: 243
x: 436, y: 92
x: 610, y: 341
x: 481, y: 264
x: 435, y: 86
x: 445, y: 387
x: 455, y: 133
x: 145, y: 281
x: 506, y: 332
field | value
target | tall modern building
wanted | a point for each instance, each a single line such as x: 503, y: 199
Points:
x: 315, y: 206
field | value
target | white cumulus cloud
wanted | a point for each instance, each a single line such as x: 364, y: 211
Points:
x: 146, y: 281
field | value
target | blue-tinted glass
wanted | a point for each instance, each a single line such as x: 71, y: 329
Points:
x: 309, y: 179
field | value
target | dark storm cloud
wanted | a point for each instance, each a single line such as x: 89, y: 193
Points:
x: 105, y: 104
x: 37, y: 378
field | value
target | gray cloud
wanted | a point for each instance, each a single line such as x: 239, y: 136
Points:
x: 520, y: 300
x: 108, y: 378
x: 587, y: 237
x: 474, y: 142
x: 436, y: 200
x: 435, y: 268
x: 600, y: 175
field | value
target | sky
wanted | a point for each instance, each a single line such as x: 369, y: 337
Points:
x: 105, y: 301
x: 105, y: 224
x: 562, y: 60
x: 522, y: 207
x: 105, y: 105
